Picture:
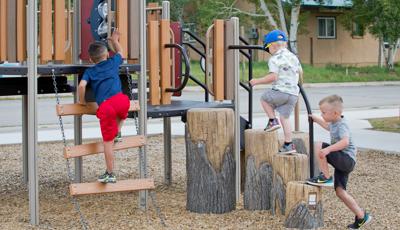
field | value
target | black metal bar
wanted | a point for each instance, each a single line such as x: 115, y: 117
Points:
x: 206, y: 97
x: 59, y: 69
x: 187, y: 67
x: 196, y: 38
x: 245, y: 54
x: 310, y: 130
x: 195, y: 49
x: 251, y: 88
x: 243, y: 40
x: 248, y: 47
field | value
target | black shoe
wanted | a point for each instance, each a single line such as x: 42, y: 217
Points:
x: 272, y: 125
x: 358, y: 223
x: 107, y: 178
x: 321, y: 180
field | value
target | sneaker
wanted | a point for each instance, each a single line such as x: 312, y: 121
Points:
x: 107, y: 178
x: 321, y: 180
x: 287, y: 149
x: 118, y: 138
x: 272, y: 125
x: 358, y: 223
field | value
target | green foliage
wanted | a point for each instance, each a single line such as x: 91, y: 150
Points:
x: 177, y: 8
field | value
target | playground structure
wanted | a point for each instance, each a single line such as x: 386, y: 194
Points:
x: 62, y: 52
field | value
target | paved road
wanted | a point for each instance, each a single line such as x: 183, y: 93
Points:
x: 359, y: 97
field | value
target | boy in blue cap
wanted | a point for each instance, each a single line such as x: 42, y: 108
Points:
x: 284, y: 73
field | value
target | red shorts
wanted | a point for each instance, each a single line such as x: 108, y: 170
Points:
x: 114, y: 107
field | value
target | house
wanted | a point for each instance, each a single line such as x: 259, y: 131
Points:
x: 326, y: 41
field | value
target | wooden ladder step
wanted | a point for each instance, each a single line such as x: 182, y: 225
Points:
x: 97, y: 147
x: 120, y: 186
x: 89, y: 108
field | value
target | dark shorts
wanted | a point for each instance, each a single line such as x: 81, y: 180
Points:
x: 343, y: 165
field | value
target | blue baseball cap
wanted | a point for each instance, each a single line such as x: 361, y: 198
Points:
x: 273, y: 36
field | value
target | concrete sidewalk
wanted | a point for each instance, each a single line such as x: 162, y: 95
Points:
x: 363, y: 136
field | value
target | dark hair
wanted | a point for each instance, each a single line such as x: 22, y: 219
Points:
x: 97, y: 50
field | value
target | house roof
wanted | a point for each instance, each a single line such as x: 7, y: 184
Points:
x: 328, y: 3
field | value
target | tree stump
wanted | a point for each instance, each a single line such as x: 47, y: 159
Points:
x: 260, y: 146
x: 286, y: 168
x: 210, y: 161
x: 301, y: 142
x: 303, y: 206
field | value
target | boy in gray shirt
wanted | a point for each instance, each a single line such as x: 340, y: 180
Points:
x: 341, y: 154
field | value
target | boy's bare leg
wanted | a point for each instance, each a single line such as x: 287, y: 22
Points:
x: 120, y: 124
x: 287, y: 128
x: 322, y: 162
x: 268, y: 109
x: 350, y: 202
x: 109, y: 155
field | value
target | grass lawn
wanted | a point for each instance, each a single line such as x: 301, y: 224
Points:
x: 391, y: 124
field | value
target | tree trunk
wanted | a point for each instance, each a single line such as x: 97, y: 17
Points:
x: 294, y: 25
x: 303, y: 206
x: 210, y: 160
x: 260, y: 147
x: 286, y: 168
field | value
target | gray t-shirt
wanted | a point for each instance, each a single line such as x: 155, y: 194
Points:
x: 338, y: 131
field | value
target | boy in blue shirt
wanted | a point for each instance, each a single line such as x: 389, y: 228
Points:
x: 113, y: 109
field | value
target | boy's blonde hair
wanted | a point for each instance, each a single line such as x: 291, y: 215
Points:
x: 335, y: 101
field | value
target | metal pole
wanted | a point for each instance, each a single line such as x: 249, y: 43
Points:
x: 32, y: 111
x: 167, y: 121
x: 75, y: 60
x: 143, y: 102
x: 25, y: 138
x: 237, y: 108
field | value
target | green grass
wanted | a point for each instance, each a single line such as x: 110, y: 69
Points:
x: 328, y: 74
x: 390, y: 124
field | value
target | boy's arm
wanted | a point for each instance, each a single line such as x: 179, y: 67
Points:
x: 115, y: 42
x: 270, y: 77
x: 81, y: 92
x: 340, y: 145
x: 320, y: 121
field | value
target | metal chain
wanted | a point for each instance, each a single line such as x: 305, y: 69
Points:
x: 84, y: 222
x: 141, y: 152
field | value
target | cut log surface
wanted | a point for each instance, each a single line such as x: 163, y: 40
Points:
x: 88, y: 109
x: 303, y: 206
x: 120, y: 186
x: 210, y: 161
x: 286, y: 168
x: 97, y: 147
x: 260, y: 147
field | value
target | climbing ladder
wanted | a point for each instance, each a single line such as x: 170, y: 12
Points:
x: 97, y: 147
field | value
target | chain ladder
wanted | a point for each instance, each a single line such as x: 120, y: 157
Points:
x: 74, y: 200
x: 141, y: 152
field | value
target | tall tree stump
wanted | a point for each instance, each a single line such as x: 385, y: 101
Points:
x: 260, y: 146
x: 286, y: 168
x: 210, y: 161
x: 303, y: 206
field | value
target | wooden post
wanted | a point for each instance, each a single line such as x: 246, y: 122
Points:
x: 21, y: 30
x: 59, y: 30
x: 11, y: 31
x: 210, y: 161
x: 260, y: 147
x: 218, y: 59
x: 154, y: 62
x: 286, y: 168
x: 122, y: 24
x: 304, y: 208
x: 134, y: 30
x: 46, y: 32
x: 3, y: 30
x: 165, y: 67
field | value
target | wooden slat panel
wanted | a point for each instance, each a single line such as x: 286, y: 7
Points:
x: 154, y: 62
x: 11, y: 31
x: 21, y: 30
x: 59, y: 30
x: 134, y: 29
x: 97, y: 147
x: 88, y: 109
x: 46, y: 33
x: 165, y: 66
x: 219, y: 57
x: 3, y: 30
x: 120, y: 186
x: 229, y: 61
x: 122, y: 24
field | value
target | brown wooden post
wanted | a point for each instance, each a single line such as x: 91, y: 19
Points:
x: 286, y: 168
x: 229, y: 61
x: 210, y: 161
x: 11, y: 31
x: 122, y: 24
x: 134, y: 30
x: 260, y: 147
x: 21, y: 30
x: 46, y: 32
x: 304, y: 208
x: 154, y: 62
x: 218, y: 60
x: 165, y: 66
x: 59, y: 30
x: 3, y: 30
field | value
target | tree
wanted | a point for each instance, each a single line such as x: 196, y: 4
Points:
x: 177, y: 8
x: 382, y: 19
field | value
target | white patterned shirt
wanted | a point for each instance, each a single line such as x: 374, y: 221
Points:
x: 288, y: 67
